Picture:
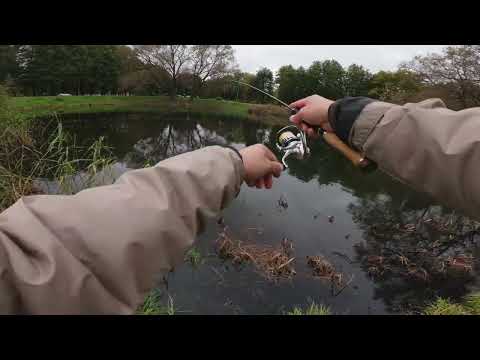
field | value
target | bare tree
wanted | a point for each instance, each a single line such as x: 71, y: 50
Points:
x: 208, y: 62
x: 458, y: 68
x: 171, y: 59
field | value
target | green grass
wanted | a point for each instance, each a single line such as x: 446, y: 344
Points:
x: 313, y: 309
x: 32, y: 107
x: 194, y: 257
x: 152, y: 305
x: 445, y: 307
x: 470, y: 306
x: 24, y: 159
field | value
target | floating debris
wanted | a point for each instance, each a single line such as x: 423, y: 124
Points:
x: 323, y: 269
x: 282, y: 202
x: 460, y: 263
x: 321, y: 266
x: 273, y: 263
x: 287, y: 246
x: 331, y: 218
x: 230, y: 304
x: 410, y: 227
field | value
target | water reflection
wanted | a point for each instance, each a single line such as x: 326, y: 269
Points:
x: 404, y: 254
x: 412, y: 255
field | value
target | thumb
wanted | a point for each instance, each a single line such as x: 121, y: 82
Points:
x: 297, y: 118
x: 299, y: 103
x: 276, y: 168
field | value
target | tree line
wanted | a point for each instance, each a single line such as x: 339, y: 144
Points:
x: 211, y: 71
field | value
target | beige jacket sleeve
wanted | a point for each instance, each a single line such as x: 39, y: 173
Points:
x: 427, y: 146
x: 100, y: 251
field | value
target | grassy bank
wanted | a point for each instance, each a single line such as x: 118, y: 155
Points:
x: 32, y: 107
x: 25, y: 158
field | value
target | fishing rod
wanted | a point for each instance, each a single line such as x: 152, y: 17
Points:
x: 265, y: 93
x: 291, y: 140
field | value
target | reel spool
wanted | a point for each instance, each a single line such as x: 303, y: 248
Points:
x: 291, y: 140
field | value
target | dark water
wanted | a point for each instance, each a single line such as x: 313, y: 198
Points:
x: 325, y: 185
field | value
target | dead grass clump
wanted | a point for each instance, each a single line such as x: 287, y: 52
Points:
x: 271, y: 262
x: 323, y: 269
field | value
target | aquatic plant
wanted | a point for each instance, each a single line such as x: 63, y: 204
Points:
x: 313, y: 309
x: 30, y: 150
x: 152, y: 305
x: 469, y: 306
x: 194, y: 257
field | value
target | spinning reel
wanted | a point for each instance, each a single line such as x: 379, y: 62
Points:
x: 290, y: 140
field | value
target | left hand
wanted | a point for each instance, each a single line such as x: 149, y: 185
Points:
x: 260, y: 166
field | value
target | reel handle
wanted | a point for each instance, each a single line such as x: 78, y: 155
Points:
x: 334, y: 141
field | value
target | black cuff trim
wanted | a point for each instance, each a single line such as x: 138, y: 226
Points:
x: 343, y: 113
x: 232, y: 148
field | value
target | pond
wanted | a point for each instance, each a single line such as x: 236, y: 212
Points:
x: 357, y: 221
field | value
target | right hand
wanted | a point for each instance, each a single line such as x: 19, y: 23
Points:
x: 313, y: 111
x: 260, y: 166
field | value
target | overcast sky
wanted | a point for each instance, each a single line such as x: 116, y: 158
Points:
x: 373, y: 57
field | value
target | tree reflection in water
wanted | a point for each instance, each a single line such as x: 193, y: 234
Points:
x: 414, y: 256
x: 178, y: 137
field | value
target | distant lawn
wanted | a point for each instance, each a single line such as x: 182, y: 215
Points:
x: 32, y: 107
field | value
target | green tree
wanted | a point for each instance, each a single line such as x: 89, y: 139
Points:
x: 36, y: 68
x: 104, y: 66
x: 263, y: 81
x: 8, y: 61
x: 357, y: 81
x: 302, y: 88
x: 225, y: 87
x: 246, y: 93
x: 394, y: 86
x: 326, y: 79
x: 287, y: 81
x: 76, y: 69
x: 133, y: 78
x: 128, y: 60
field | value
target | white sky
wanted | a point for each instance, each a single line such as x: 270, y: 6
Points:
x: 251, y: 58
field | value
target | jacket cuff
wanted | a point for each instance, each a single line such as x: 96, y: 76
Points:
x: 236, y: 151
x: 238, y: 165
x: 343, y: 113
x: 366, y: 122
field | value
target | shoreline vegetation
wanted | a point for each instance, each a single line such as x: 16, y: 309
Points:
x: 45, y: 106
x: 24, y: 158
